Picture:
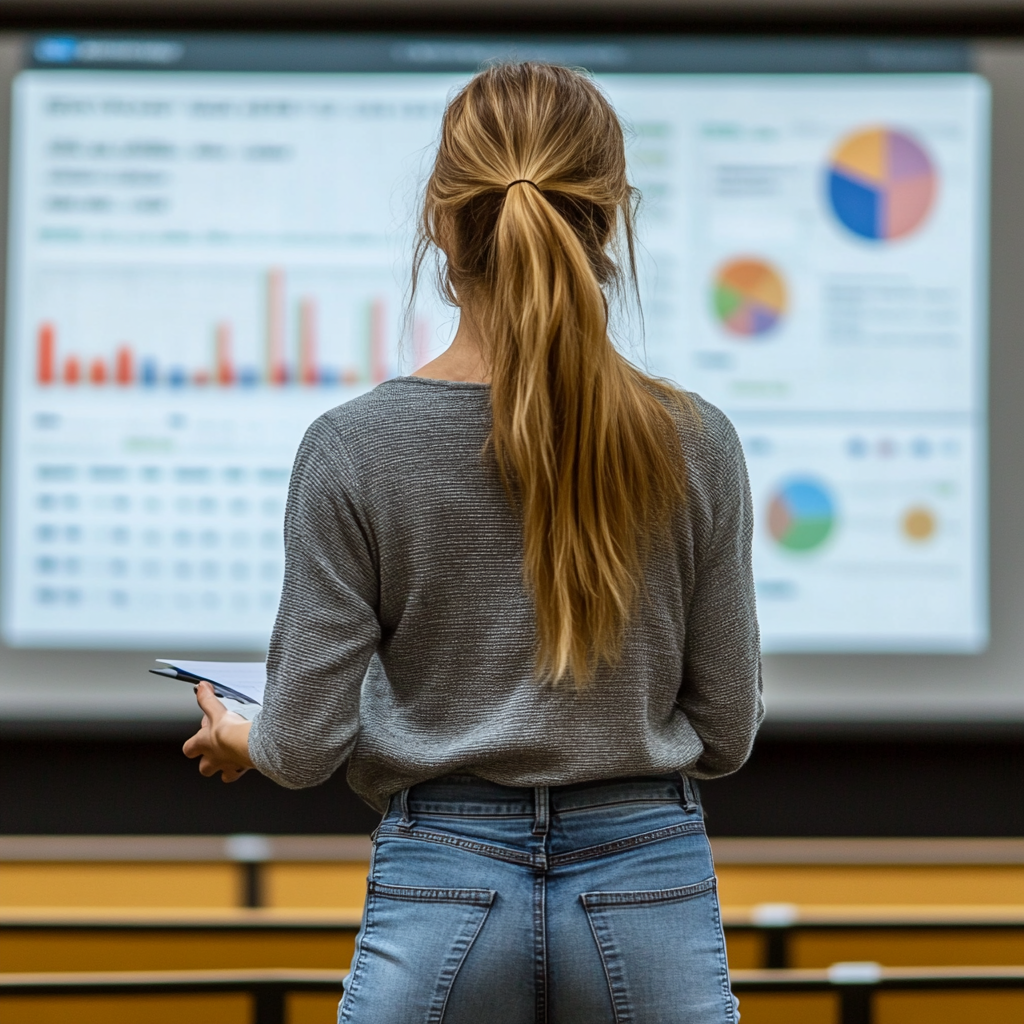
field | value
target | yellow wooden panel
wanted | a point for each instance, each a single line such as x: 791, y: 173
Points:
x: 908, y: 948
x: 312, y: 1008
x: 743, y: 885
x: 228, y: 1008
x: 769, y: 1008
x: 948, y: 1008
x: 745, y: 950
x: 118, y: 885
x: 344, y: 884
x: 341, y: 884
x: 152, y: 951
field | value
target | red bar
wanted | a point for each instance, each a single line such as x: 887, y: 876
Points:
x: 378, y: 342
x: 222, y: 355
x: 307, y: 342
x: 72, y: 370
x: 201, y: 377
x: 46, y: 354
x: 124, y: 370
x: 277, y: 370
x: 97, y: 372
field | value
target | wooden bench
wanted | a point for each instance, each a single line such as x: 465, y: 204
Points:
x: 268, y: 989
x: 211, y: 889
x: 141, y: 938
x: 854, y: 984
x: 309, y: 870
x: 779, y: 925
x: 775, y: 927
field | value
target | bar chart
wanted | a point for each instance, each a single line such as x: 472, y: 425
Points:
x: 186, y: 297
x: 325, y: 330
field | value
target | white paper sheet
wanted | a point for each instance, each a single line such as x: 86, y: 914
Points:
x: 245, y: 678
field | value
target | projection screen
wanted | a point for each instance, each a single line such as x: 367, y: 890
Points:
x: 209, y: 242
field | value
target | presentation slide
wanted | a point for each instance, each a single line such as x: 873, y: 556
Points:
x: 202, y: 262
x: 816, y: 253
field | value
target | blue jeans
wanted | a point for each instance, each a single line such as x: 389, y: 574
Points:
x: 592, y: 904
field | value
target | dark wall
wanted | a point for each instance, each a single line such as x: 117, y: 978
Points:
x: 937, y: 787
x: 67, y: 786
x: 791, y: 787
x: 922, y: 17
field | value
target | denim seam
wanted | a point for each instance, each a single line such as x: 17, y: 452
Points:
x: 647, y: 897
x: 723, y: 968
x: 540, y: 965
x: 456, y: 958
x: 723, y: 956
x: 477, y: 897
x: 355, y: 969
x: 428, y: 809
x: 626, y: 844
x: 580, y: 808
x: 486, y: 850
x: 612, y: 972
x: 356, y: 972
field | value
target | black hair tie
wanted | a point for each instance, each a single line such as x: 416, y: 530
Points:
x: 522, y: 181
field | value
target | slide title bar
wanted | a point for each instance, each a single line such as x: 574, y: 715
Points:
x: 601, y: 54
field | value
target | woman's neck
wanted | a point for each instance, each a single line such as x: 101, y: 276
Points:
x: 463, y: 360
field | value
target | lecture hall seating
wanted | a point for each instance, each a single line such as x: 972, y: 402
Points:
x: 819, y: 931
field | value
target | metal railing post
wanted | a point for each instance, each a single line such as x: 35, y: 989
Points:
x: 855, y: 1004
x: 250, y: 852
x: 775, y: 922
x: 776, y: 948
x: 252, y: 883
x: 269, y: 1003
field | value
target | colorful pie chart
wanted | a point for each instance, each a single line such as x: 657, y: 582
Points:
x: 801, y: 514
x: 881, y: 183
x: 749, y: 297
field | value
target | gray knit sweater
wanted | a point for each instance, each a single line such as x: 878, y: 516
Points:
x: 405, y: 637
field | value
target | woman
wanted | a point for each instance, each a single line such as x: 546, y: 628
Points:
x: 539, y: 559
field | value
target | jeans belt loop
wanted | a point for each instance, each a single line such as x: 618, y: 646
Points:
x: 405, y: 822
x: 541, y: 810
x: 690, y: 802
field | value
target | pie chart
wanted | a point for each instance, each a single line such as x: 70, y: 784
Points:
x: 801, y: 514
x: 919, y: 523
x: 749, y: 297
x: 881, y: 183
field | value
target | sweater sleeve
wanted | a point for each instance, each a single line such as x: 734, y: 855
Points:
x: 721, y: 691
x: 327, y: 628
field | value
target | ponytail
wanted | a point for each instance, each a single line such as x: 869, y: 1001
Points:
x: 525, y: 196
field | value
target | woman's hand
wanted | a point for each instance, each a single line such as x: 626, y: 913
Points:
x: 222, y: 743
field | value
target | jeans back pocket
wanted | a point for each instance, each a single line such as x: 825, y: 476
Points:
x: 409, y: 951
x: 663, y: 954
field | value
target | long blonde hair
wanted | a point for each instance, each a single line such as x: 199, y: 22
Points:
x: 525, y: 199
